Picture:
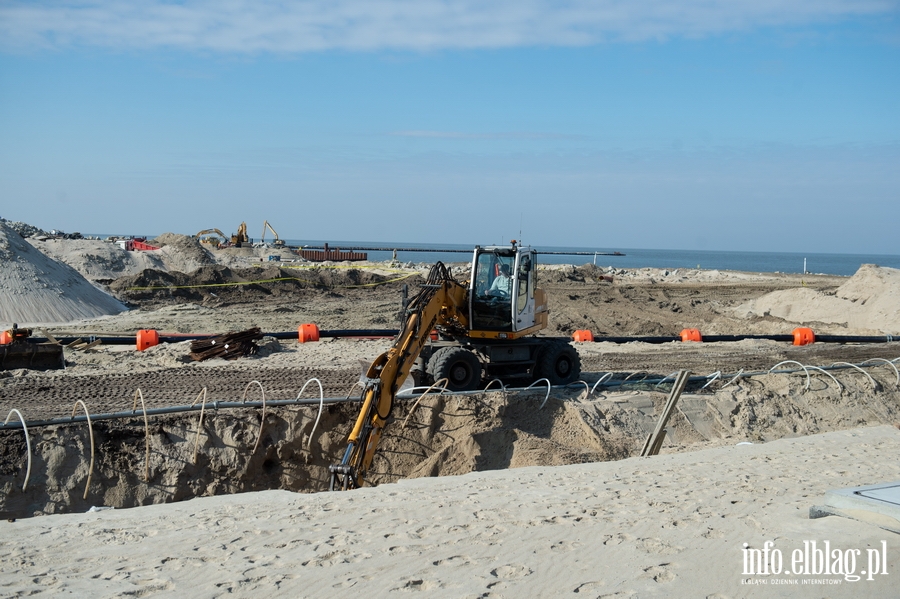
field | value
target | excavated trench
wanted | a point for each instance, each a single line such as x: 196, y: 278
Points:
x: 236, y: 451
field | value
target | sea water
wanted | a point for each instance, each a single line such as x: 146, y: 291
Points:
x: 787, y: 262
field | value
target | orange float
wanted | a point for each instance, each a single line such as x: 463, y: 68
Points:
x: 691, y: 335
x: 147, y: 338
x: 5, y: 338
x: 804, y: 336
x: 582, y: 335
x: 307, y: 332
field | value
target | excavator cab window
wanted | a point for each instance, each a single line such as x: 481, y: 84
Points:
x: 492, y: 290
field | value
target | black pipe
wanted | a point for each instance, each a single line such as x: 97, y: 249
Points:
x: 335, y: 333
x: 729, y: 338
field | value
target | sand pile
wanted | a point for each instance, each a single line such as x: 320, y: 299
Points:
x: 104, y: 262
x: 866, y: 302
x: 98, y: 261
x: 36, y: 289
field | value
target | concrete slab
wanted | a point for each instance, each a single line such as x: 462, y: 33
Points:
x: 877, y: 504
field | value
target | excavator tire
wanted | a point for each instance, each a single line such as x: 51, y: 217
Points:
x: 559, y: 363
x: 459, y: 366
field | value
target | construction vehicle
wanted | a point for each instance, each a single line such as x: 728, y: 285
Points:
x: 136, y: 244
x: 277, y: 242
x: 240, y: 238
x: 219, y: 241
x: 485, y: 329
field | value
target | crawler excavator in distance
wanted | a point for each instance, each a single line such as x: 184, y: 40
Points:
x: 485, y: 329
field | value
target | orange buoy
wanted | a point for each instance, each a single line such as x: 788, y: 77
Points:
x: 5, y: 338
x: 434, y: 335
x: 582, y: 335
x: 147, y: 338
x: 691, y: 335
x: 804, y: 336
x: 307, y: 332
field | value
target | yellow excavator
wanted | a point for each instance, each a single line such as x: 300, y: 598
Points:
x: 485, y: 328
x: 211, y: 239
x: 277, y: 242
x: 240, y: 238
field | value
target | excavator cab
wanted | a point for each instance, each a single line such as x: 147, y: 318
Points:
x: 502, y: 290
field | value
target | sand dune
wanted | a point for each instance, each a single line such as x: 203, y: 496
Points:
x: 37, y: 289
x: 667, y: 526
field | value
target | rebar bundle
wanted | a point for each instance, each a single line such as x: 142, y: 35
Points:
x: 229, y: 346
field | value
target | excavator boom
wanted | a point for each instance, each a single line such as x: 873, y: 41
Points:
x: 441, y: 301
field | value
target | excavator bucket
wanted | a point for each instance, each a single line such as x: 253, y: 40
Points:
x: 34, y: 356
x: 16, y: 351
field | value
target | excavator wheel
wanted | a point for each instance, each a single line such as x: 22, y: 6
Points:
x: 559, y: 363
x: 459, y: 366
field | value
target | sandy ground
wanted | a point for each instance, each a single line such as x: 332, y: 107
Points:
x: 527, y: 501
x: 667, y: 526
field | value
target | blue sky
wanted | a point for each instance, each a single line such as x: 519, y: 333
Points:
x: 762, y: 126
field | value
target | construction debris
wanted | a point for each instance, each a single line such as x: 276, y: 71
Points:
x: 229, y: 346
x: 18, y: 351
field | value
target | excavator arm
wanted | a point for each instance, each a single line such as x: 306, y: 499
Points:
x: 440, y: 302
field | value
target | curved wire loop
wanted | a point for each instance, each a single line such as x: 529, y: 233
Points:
x: 91, y: 433
x: 200, y: 395
x: 445, y: 382
x: 546, y: 397
x: 665, y: 378
x: 599, y: 382
x: 712, y: 377
x: 262, y: 422
x: 27, y: 444
x: 352, y: 387
x: 137, y: 394
x: 492, y: 381
x: 587, y: 388
x: 734, y: 378
x: 888, y: 362
x: 868, y: 376
x: 798, y: 364
x: 321, y: 407
x: 823, y: 371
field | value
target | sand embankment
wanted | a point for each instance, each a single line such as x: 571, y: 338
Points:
x: 668, y: 526
x: 36, y: 289
x: 868, y: 301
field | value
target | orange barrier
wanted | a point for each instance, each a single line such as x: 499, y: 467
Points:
x: 691, y: 335
x: 147, y: 338
x: 307, y: 332
x: 5, y: 338
x: 582, y: 335
x: 804, y: 336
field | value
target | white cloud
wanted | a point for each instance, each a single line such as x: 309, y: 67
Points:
x: 247, y: 26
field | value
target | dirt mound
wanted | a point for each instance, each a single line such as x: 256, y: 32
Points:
x: 98, y: 261
x: 183, y: 253
x: 220, y: 285
x: 36, y: 289
x: 866, y: 302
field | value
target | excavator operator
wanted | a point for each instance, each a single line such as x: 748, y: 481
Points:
x: 502, y: 284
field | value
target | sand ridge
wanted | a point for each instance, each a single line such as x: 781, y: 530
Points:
x: 668, y: 526
x: 38, y: 289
